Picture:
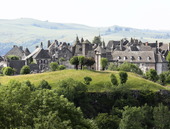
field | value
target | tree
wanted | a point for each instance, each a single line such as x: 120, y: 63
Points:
x: 123, y: 77
x: 81, y: 61
x: 168, y: 59
x: 8, y: 71
x: 152, y: 75
x: 71, y: 89
x: 113, y: 79
x: 89, y: 61
x: 44, y: 85
x: 53, y: 66
x: 131, y: 118
x: 161, y: 117
x: 12, y: 57
x: 106, y: 121
x: 87, y: 80
x: 112, y: 67
x: 25, y: 69
x: 97, y: 40
x: 103, y: 62
x: 74, y: 61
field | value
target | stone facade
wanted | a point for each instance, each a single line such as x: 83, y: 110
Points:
x: 145, y: 55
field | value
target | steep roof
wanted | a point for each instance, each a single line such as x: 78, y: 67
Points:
x: 27, y: 52
x: 134, y: 56
x: 15, y: 51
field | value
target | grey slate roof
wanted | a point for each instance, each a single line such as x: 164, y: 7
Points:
x: 134, y: 56
x: 15, y: 51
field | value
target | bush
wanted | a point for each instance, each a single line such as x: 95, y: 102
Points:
x: 112, y: 67
x: 44, y: 85
x: 152, y: 75
x: 25, y: 70
x: 12, y: 57
x: 61, y: 67
x: 113, y: 79
x: 8, y: 71
x: 123, y: 77
x: 53, y: 66
x: 87, y: 80
x: 129, y: 67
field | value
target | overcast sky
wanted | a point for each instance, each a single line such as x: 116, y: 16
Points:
x: 145, y: 14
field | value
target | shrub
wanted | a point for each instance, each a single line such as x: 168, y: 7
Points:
x: 112, y: 67
x: 12, y: 57
x: 44, y: 85
x: 113, y: 79
x: 87, y: 80
x: 152, y: 75
x: 25, y: 70
x: 53, y: 66
x: 123, y: 77
x: 8, y: 71
x: 61, y: 67
x: 130, y: 67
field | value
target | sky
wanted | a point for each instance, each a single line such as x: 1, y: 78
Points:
x: 142, y: 14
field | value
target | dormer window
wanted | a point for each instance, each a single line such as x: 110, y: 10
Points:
x: 148, y: 58
x: 118, y: 57
x: 139, y: 57
x: 131, y: 57
x: 125, y: 57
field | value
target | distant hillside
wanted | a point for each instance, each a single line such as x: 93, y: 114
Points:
x: 100, y: 80
x: 30, y: 32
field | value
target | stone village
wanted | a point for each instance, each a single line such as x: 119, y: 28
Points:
x: 145, y: 55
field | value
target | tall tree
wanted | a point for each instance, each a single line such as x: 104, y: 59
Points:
x: 152, y: 75
x: 97, y: 40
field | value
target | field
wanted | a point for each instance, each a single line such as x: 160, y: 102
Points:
x: 100, y: 80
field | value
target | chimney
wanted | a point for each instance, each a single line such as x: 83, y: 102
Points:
x: 21, y: 47
x: 41, y: 45
x: 146, y: 44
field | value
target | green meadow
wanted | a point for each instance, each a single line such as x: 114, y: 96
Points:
x: 100, y: 80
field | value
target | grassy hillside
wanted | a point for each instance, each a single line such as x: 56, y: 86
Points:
x: 30, y: 32
x: 100, y: 82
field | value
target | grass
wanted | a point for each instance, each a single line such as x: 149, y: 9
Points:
x: 100, y: 80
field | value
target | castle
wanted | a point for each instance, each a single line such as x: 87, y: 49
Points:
x: 145, y: 55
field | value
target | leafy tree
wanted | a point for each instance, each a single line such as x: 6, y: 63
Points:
x: 97, y: 40
x: 113, y: 79
x: 89, y: 61
x: 106, y: 121
x: 61, y: 67
x: 103, y: 62
x: 53, y: 66
x: 44, y: 85
x: 131, y: 118
x: 12, y: 57
x: 81, y: 60
x: 74, y: 61
x: 25, y: 69
x: 8, y: 71
x: 28, y: 83
x: 161, y: 117
x: 168, y: 59
x: 162, y: 78
x: 123, y: 77
x: 130, y: 67
x: 71, y: 89
x: 152, y: 75
x: 87, y: 80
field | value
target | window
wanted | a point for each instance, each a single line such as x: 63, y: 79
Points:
x: 125, y: 57
x: 131, y: 57
x: 148, y: 58
x: 139, y: 58
x: 118, y: 57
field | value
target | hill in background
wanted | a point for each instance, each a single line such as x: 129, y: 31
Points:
x: 30, y: 32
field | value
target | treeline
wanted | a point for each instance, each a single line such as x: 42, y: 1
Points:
x: 70, y: 105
